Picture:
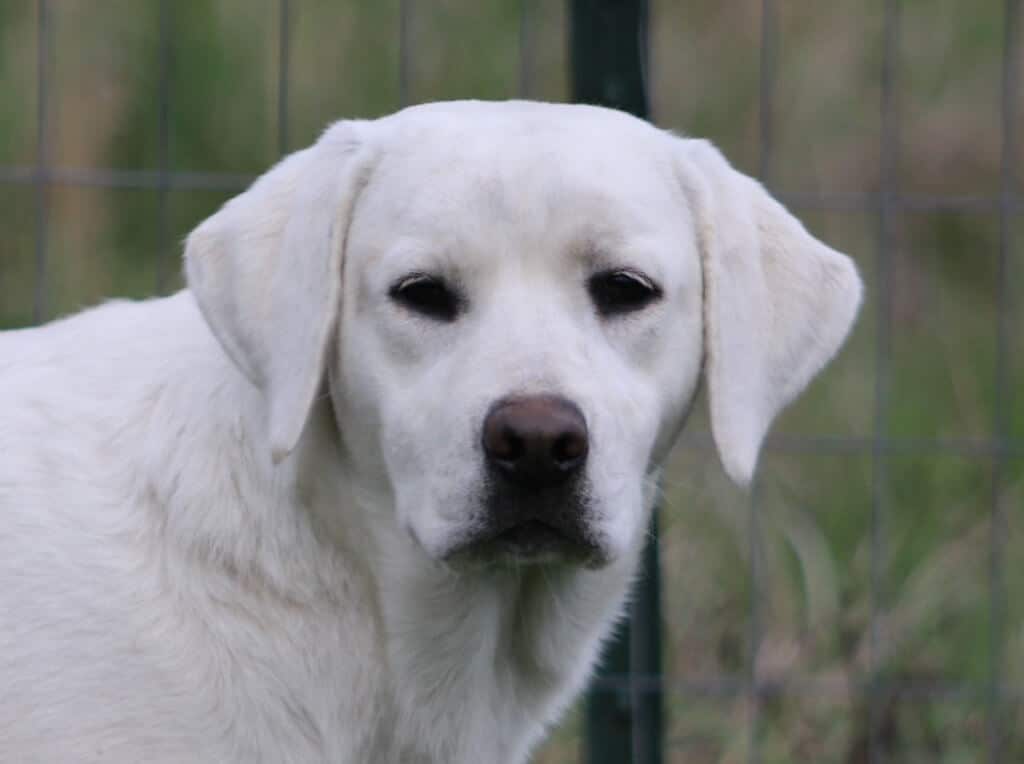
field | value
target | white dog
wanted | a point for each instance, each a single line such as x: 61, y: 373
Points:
x: 374, y: 487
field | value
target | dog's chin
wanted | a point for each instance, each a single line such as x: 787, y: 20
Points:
x: 531, y: 543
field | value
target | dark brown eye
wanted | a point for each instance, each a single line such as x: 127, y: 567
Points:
x: 427, y: 295
x: 618, y: 292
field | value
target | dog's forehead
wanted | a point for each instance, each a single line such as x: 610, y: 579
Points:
x: 530, y: 164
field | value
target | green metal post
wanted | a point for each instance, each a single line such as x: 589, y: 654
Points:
x: 623, y: 724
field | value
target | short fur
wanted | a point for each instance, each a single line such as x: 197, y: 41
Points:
x: 225, y: 516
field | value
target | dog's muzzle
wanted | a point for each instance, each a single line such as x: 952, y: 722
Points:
x: 535, y: 449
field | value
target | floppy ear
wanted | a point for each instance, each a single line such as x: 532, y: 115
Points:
x: 266, y: 272
x: 778, y: 303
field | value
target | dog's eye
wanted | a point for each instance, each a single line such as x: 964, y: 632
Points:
x: 616, y: 292
x: 427, y: 295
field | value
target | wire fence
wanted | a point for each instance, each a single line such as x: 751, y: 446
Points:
x: 884, y: 205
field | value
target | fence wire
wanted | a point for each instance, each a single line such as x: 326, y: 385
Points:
x: 884, y: 204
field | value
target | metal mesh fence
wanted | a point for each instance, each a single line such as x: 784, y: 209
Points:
x: 999, y: 450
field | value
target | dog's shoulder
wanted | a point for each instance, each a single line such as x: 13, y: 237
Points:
x: 69, y: 387
x: 120, y: 427
x: 118, y: 337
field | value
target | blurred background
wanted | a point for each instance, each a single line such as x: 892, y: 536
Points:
x: 865, y: 601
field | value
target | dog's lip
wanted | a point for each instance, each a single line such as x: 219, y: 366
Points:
x: 529, y: 535
x: 531, y: 541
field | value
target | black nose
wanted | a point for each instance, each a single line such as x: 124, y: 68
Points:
x: 536, y: 441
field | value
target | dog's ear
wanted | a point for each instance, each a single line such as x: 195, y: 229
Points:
x: 266, y: 273
x: 777, y: 302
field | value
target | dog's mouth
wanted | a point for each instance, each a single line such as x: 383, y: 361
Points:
x: 531, y: 537
x: 535, y: 541
x: 538, y: 537
x: 529, y: 543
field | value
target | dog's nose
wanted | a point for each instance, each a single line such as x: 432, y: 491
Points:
x: 536, y: 441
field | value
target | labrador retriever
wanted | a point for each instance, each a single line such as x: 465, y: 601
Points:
x: 373, y: 488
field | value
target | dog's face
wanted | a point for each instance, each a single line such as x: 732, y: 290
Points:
x: 512, y: 304
x: 520, y: 335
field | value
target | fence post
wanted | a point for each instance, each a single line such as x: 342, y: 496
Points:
x: 623, y: 715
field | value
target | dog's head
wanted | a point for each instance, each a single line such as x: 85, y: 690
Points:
x: 511, y: 305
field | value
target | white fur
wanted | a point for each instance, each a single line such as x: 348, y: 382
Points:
x: 224, y: 514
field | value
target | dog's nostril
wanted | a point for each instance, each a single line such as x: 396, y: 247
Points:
x: 536, y: 440
x: 569, y: 450
x: 508, y: 447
